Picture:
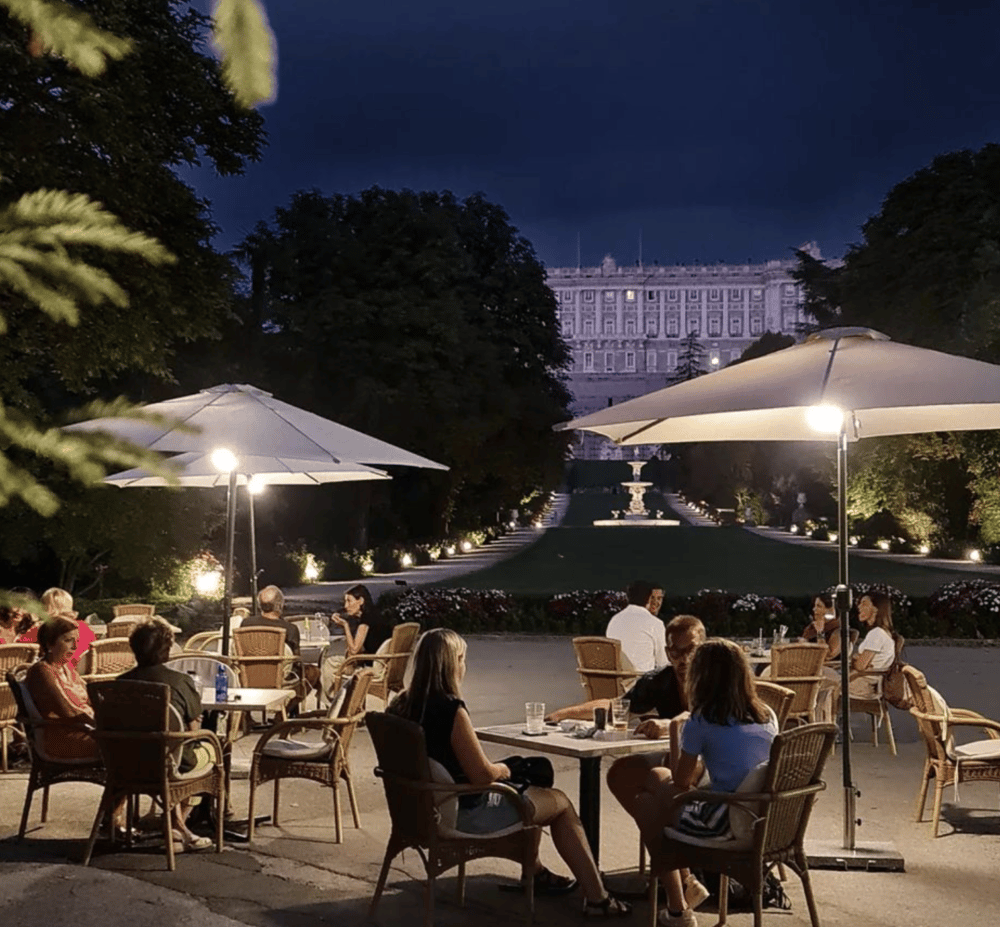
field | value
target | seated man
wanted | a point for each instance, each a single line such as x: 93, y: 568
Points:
x: 272, y: 603
x: 639, y: 628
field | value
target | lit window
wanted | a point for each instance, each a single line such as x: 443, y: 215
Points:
x: 651, y: 361
x: 609, y: 362
x: 609, y: 326
x: 630, y: 360
x: 588, y: 361
x: 630, y: 295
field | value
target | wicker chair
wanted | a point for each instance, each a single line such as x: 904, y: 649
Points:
x: 422, y: 809
x: 775, y: 800
x: 122, y: 627
x: 261, y: 660
x: 107, y: 659
x: 139, y: 611
x: 799, y: 667
x: 141, y: 736
x: 393, y: 657
x: 876, y: 706
x: 778, y: 698
x: 949, y: 763
x: 204, y: 642
x: 45, y: 770
x: 276, y: 757
x: 604, y: 670
x: 12, y: 655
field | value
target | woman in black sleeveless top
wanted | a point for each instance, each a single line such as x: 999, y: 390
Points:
x: 434, y: 701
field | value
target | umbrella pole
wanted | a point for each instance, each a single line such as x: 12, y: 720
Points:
x: 844, y: 615
x: 227, y: 598
x: 253, y: 553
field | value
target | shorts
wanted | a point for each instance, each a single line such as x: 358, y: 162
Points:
x: 704, y: 819
x: 492, y: 812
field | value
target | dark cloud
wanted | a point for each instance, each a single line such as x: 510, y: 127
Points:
x: 722, y: 129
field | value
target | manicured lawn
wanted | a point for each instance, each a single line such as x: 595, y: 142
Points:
x: 685, y: 559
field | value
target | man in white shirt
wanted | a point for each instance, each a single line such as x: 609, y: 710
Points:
x: 641, y: 632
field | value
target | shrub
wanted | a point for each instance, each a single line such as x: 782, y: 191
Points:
x: 584, y: 611
x: 969, y: 607
x: 470, y: 610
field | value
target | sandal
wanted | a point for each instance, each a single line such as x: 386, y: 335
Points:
x: 609, y: 907
x: 548, y: 883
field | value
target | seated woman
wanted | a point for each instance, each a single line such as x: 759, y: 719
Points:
x: 59, y: 603
x: 434, y: 701
x: 364, y: 632
x: 60, y: 694
x: 151, y: 642
x: 731, y: 731
x: 824, y: 627
x: 878, y: 650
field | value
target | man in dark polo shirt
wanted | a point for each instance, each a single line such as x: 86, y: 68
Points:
x: 272, y: 603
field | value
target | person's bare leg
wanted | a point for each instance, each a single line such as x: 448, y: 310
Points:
x: 652, y: 815
x: 554, y: 810
x: 582, y: 712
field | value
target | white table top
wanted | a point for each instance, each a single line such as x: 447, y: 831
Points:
x: 556, y: 742
x: 248, y: 699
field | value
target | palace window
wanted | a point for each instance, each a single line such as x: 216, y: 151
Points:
x: 694, y: 325
x: 671, y: 360
x: 735, y: 325
x: 588, y: 326
x: 672, y: 296
x: 651, y: 296
x: 567, y: 327
x: 588, y: 296
x: 651, y: 325
x: 756, y: 325
x: 630, y: 295
x: 630, y: 326
x: 651, y: 361
x: 609, y: 296
x: 609, y: 326
x: 609, y: 362
x: 673, y: 326
x: 714, y: 326
x: 588, y: 361
x: 630, y: 360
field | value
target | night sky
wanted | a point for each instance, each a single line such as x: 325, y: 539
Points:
x: 722, y: 130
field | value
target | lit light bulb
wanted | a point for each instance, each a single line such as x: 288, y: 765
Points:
x: 975, y: 556
x: 224, y: 460
x: 826, y: 420
x: 406, y: 560
x: 925, y: 549
x: 256, y: 485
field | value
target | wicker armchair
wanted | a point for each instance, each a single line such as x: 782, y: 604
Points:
x: 204, y: 642
x: 799, y: 667
x: 13, y: 655
x: 122, y: 627
x: 45, y: 770
x: 422, y: 809
x: 604, y: 670
x: 775, y: 802
x: 139, y: 611
x: 948, y: 763
x: 107, y: 659
x: 876, y: 706
x: 276, y: 757
x: 393, y: 658
x: 778, y: 698
x: 141, y: 736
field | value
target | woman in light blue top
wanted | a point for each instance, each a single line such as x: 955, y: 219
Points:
x: 730, y: 730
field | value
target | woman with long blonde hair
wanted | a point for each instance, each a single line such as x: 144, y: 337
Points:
x: 730, y: 730
x: 433, y: 699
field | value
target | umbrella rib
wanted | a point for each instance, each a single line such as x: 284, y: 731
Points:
x: 295, y: 427
x: 829, y: 368
x: 639, y: 431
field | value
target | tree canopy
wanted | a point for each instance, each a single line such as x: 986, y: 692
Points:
x: 117, y: 138
x: 425, y: 321
x: 690, y: 360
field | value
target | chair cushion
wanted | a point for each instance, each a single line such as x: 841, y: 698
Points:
x: 446, y: 802
x: 296, y: 750
x: 978, y: 750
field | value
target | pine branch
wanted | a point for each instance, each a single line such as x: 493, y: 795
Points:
x: 246, y: 44
x: 61, y: 30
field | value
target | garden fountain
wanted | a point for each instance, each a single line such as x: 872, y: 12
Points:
x: 636, y: 515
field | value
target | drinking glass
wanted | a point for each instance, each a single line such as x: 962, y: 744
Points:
x: 619, y: 714
x: 534, y: 717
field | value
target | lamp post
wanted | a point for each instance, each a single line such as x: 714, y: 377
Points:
x: 254, y: 487
x: 225, y: 461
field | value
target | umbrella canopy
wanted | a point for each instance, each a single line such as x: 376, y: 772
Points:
x: 887, y: 388
x: 196, y: 469
x: 249, y: 421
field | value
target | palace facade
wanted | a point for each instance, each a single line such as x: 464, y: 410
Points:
x: 625, y: 325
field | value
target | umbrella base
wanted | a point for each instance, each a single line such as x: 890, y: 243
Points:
x: 870, y: 856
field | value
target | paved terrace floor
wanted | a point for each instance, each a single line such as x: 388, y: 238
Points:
x: 295, y: 876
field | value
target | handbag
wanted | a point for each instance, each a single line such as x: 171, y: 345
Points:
x: 894, y: 687
x: 530, y: 770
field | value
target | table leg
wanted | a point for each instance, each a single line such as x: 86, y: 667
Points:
x: 590, y: 802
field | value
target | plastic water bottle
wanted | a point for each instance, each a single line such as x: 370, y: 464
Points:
x: 221, y: 684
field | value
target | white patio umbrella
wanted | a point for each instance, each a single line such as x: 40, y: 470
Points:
x: 841, y: 384
x: 249, y: 422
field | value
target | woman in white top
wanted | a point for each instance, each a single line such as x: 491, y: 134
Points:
x: 878, y: 650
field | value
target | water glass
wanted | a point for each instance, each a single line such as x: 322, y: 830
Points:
x: 619, y: 714
x: 534, y: 717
